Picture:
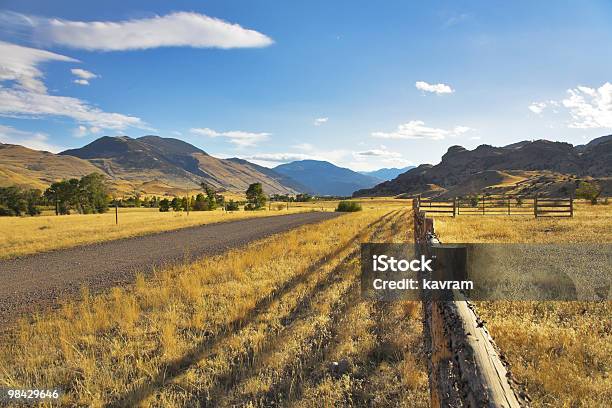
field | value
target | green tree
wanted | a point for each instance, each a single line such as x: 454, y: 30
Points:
x: 93, y: 194
x: 164, y: 205
x: 63, y: 195
x: 211, y: 197
x: 200, y: 204
x: 176, y: 204
x: 256, y: 199
x: 12, y: 201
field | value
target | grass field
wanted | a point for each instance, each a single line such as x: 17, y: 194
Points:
x: 561, y: 351
x: 27, y: 235
x: 258, y: 326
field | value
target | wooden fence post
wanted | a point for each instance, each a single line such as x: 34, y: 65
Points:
x: 116, y: 213
x: 535, y: 206
x: 455, y: 209
x: 571, y: 205
x: 483, y: 205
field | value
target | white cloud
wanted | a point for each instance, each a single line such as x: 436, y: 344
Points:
x: 320, y: 121
x: 179, y: 29
x: 82, y: 131
x: 237, y: 137
x: 176, y: 133
x: 279, y: 157
x: 20, y: 103
x: 83, y: 76
x: 435, y: 88
x: 379, y: 153
x: 590, y: 107
x: 537, y: 107
x: 29, y: 98
x: 33, y: 140
x: 416, y: 129
x: 82, y: 73
x: 19, y: 64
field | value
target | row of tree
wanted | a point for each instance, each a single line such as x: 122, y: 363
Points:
x: 90, y: 194
x: 86, y: 195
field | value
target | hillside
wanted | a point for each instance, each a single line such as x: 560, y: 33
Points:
x: 171, y: 162
x: 324, y: 178
x: 37, y: 169
x: 549, y: 165
x: 387, y: 173
x: 150, y: 164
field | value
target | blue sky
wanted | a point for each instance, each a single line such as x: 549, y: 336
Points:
x: 360, y: 83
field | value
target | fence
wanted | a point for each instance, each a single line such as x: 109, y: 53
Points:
x: 465, y: 368
x: 498, y: 205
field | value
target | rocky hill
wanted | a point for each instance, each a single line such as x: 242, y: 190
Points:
x: 471, y: 171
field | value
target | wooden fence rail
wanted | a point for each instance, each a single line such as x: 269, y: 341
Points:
x: 498, y: 205
x: 465, y: 366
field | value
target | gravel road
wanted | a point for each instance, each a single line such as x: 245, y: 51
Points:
x: 35, y: 282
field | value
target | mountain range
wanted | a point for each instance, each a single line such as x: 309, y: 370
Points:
x: 157, y: 165
x: 539, y: 166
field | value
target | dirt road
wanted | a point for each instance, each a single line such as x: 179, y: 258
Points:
x: 35, y: 282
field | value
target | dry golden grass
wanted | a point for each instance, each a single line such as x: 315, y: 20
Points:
x: 561, y: 351
x: 26, y: 235
x: 256, y: 326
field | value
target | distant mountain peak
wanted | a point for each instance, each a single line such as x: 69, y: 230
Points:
x: 324, y: 178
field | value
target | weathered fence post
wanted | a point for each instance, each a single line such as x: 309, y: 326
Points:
x: 116, y: 213
x: 535, y: 206
x: 483, y: 205
x: 465, y: 368
x: 571, y: 205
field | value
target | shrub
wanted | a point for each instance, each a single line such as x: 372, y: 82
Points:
x: 232, y: 206
x: 588, y: 191
x: 348, y: 206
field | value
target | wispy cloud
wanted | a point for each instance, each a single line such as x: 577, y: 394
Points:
x: 537, y: 107
x: 82, y: 131
x: 278, y: 157
x: 590, y: 107
x: 238, y: 137
x: 19, y: 64
x: 33, y: 140
x: 320, y: 121
x: 19, y: 103
x: 28, y: 97
x: 416, y: 129
x: 434, y: 88
x: 83, y: 76
x: 179, y: 29
x: 382, y: 152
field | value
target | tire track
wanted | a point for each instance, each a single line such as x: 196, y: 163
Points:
x: 204, y: 349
